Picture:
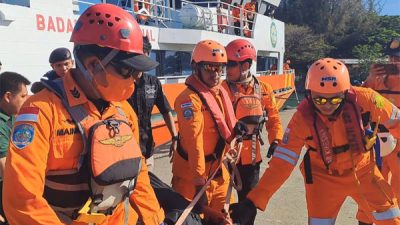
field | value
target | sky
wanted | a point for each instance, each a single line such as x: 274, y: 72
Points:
x: 391, y: 7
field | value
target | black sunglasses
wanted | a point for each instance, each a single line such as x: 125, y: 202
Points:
x: 124, y: 70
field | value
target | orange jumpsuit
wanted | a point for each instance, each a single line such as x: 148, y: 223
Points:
x: 391, y: 162
x: 54, y: 148
x: 327, y: 192
x: 198, y: 137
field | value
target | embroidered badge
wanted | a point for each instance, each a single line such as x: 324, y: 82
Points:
x: 74, y: 92
x: 379, y: 101
x: 188, y: 113
x: 28, y: 114
x: 23, y: 135
x: 186, y: 104
x: 285, y: 139
x: 117, y: 141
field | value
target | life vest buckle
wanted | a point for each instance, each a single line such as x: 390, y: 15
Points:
x: 86, y: 216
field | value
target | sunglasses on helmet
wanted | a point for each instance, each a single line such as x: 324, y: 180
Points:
x: 332, y: 101
x: 213, y: 68
x: 124, y: 70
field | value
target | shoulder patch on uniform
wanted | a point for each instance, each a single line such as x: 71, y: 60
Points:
x: 23, y: 135
x: 379, y: 101
x: 28, y: 114
x: 285, y: 138
x: 186, y: 105
x: 188, y: 113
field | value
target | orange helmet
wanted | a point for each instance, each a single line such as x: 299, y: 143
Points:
x: 209, y: 51
x: 328, y: 76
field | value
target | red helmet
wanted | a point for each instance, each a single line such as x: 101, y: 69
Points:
x: 240, y: 49
x: 109, y: 26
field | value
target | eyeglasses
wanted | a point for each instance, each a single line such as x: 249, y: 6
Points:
x: 323, y: 101
x: 232, y: 64
x: 214, y: 68
x: 124, y: 70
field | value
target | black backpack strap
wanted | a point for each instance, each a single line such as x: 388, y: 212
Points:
x: 218, y: 151
x: 307, y: 167
x: 78, y: 113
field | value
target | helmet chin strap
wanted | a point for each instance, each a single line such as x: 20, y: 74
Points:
x: 86, y: 74
x: 245, y: 76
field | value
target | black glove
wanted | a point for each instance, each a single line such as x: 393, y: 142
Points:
x: 271, y: 149
x: 203, y: 201
x: 240, y: 128
x: 243, y: 212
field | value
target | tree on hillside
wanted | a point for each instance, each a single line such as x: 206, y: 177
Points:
x: 342, y: 23
x: 302, y: 45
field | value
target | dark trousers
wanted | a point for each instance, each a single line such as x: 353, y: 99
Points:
x: 250, y: 176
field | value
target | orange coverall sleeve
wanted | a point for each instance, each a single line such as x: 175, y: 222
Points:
x: 191, y: 133
x: 144, y: 200
x: 25, y: 175
x: 282, y: 163
x: 379, y: 106
x: 274, y: 124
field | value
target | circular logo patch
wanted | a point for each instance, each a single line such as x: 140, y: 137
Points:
x: 23, y: 135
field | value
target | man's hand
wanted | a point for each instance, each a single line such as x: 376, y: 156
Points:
x: 376, y: 71
x: 243, y: 212
x: 216, y: 217
x: 272, y: 148
x: 203, y: 201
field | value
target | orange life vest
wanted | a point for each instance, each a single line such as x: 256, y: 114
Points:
x: 351, y: 115
x: 249, y: 109
x: 225, y: 123
x: 109, y: 163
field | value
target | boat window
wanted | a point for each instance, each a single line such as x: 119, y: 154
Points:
x: 175, y: 63
x: 153, y: 56
x: 26, y: 3
x: 121, y: 3
x: 83, y: 5
x: 265, y: 63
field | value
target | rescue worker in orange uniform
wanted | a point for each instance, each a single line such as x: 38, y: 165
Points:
x: 339, y: 161
x: 286, y: 65
x: 206, y: 121
x: 251, y: 8
x: 236, y: 9
x: 254, y: 104
x: 67, y: 138
x: 388, y: 85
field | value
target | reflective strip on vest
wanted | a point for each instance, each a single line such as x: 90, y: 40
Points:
x: 317, y: 221
x: 287, y: 155
x: 388, y: 214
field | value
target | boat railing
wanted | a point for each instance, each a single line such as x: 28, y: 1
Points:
x: 217, y: 15
x: 225, y: 20
x: 275, y: 72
